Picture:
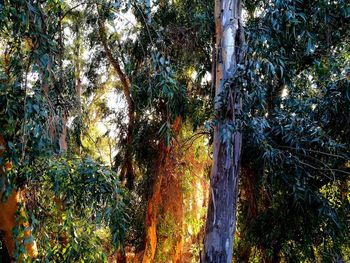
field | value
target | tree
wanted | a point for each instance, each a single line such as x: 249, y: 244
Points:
x: 37, y: 165
x: 221, y: 218
x: 127, y: 171
x: 294, y: 155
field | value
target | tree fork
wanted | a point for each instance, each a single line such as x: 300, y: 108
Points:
x: 221, y: 216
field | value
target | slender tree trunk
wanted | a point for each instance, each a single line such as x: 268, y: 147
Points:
x: 127, y: 172
x: 151, y: 223
x: 62, y: 131
x: 78, y: 88
x: 221, y: 217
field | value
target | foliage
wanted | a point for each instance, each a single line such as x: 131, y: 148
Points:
x: 295, y: 66
x: 73, y: 201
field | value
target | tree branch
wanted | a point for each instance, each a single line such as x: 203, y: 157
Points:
x: 115, y: 63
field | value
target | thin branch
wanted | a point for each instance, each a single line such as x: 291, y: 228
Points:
x: 115, y: 63
x: 324, y: 153
x: 24, y: 140
x: 193, y: 138
x: 332, y: 170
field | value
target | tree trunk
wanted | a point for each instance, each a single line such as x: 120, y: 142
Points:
x: 78, y: 83
x: 249, y: 208
x: 152, y: 211
x: 165, y: 180
x: 127, y: 176
x: 165, y: 211
x: 221, y: 217
x: 170, y: 218
x: 8, y: 215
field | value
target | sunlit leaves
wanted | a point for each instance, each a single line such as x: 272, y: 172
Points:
x: 89, y: 199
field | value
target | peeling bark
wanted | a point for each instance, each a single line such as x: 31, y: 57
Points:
x: 221, y: 217
x: 152, y: 212
x: 165, y: 182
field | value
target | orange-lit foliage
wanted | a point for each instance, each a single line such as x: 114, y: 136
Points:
x: 8, y: 210
x: 179, y: 199
x: 196, y: 164
x: 170, y: 218
x: 165, y: 166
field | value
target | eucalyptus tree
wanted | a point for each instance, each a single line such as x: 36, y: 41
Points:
x: 295, y: 63
x: 229, y: 54
x: 127, y: 171
x: 283, y: 99
x: 183, y: 33
x: 294, y: 156
x: 25, y: 42
x: 153, y: 97
x: 37, y: 83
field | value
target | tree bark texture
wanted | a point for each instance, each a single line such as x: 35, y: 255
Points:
x: 151, y: 216
x: 166, y: 183
x: 221, y: 216
x: 170, y: 218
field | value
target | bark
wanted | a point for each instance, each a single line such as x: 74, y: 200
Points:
x: 164, y: 181
x: 152, y: 211
x: 78, y: 88
x: 165, y: 208
x: 127, y: 171
x: 248, y: 201
x: 8, y: 217
x: 63, y: 136
x: 221, y: 217
x: 171, y: 216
